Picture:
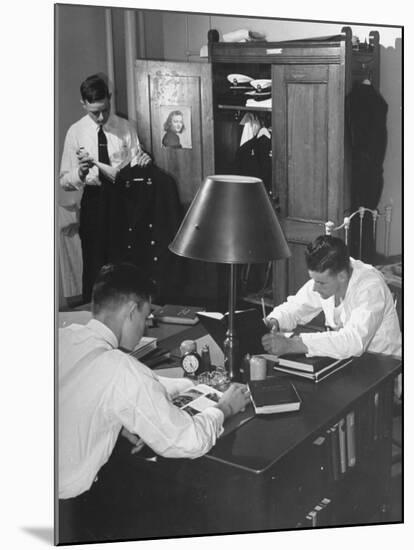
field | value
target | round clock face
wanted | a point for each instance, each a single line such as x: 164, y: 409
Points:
x: 190, y: 363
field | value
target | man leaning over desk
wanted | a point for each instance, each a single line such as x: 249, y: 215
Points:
x: 359, y: 309
x: 102, y: 389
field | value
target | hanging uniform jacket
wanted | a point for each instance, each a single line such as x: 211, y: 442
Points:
x: 254, y: 159
x: 368, y: 138
x: 144, y: 217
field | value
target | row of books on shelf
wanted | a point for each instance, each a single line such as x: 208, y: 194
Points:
x: 347, y: 443
x: 374, y: 423
x: 337, y: 448
x: 319, y: 516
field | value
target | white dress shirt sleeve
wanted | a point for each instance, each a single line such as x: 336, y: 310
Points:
x: 301, y: 308
x: 366, y: 313
x: 69, y: 168
x: 174, y: 386
x: 144, y: 407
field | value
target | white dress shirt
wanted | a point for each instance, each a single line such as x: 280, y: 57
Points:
x: 123, y: 146
x: 366, y: 319
x: 102, y: 389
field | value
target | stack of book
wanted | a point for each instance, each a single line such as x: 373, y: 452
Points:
x: 313, y: 368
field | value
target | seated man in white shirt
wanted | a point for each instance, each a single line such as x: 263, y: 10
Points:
x: 359, y: 309
x: 102, y: 389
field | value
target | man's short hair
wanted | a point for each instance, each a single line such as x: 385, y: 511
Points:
x: 94, y: 88
x: 327, y: 252
x: 117, y: 284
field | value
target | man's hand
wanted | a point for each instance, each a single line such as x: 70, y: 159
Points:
x: 85, y: 162
x: 272, y: 323
x: 234, y: 399
x: 277, y: 344
x: 143, y: 159
x: 136, y: 441
x: 83, y: 170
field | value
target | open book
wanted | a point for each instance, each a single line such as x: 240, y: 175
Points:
x: 249, y: 328
x: 193, y: 401
x: 197, y: 398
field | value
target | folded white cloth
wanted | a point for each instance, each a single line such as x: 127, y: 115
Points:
x: 243, y: 35
x: 264, y: 132
x: 204, y: 51
x: 251, y: 127
x: 254, y: 103
x: 236, y: 36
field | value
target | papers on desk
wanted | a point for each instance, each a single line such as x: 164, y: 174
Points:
x: 197, y: 398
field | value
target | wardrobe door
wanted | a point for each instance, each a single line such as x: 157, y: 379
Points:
x: 163, y: 88
x: 309, y: 159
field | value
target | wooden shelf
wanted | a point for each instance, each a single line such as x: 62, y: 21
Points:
x: 244, y: 108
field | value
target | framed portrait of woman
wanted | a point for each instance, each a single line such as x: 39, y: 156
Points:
x: 175, y: 123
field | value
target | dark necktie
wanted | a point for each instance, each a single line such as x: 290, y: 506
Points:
x: 102, y: 147
x: 103, y: 155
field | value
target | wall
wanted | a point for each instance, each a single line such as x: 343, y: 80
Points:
x: 185, y: 34
x: 80, y: 50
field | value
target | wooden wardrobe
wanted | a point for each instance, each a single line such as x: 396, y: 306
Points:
x: 310, y: 164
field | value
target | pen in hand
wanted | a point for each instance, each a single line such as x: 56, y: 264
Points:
x: 263, y: 310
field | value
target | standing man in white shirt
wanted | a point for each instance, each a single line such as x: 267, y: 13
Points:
x: 96, y: 147
x: 359, y: 309
x: 102, y: 389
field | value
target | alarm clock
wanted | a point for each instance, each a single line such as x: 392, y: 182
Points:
x: 191, y: 363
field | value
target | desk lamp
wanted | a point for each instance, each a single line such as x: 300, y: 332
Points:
x: 232, y: 221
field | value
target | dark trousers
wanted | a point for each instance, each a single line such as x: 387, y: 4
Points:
x: 75, y: 524
x: 94, y: 515
x: 93, y: 233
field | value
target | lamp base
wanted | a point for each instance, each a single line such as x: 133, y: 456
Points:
x: 232, y: 357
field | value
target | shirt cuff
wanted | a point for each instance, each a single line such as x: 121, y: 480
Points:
x: 308, y: 339
x: 218, y: 417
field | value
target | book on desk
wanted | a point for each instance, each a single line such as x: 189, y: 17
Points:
x: 177, y: 314
x: 274, y: 394
x: 312, y: 368
x: 146, y: 345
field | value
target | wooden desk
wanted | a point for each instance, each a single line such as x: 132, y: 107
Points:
x: 271, y: 473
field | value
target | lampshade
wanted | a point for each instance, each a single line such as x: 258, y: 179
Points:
x: 231, y: 220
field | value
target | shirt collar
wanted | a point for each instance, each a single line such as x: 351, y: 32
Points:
x: 103, y: 331
x: 107, y: 126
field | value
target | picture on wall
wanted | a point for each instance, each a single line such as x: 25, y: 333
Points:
x: 176, y: 126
